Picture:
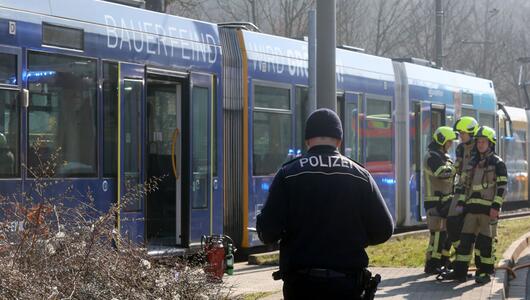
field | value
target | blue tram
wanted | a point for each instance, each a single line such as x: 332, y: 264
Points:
x: 122, y: 95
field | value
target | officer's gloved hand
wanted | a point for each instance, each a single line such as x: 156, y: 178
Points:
x: 494, y: 214
x: 459, y: 209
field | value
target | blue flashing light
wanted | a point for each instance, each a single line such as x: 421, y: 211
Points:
x: 12, y: 80
x: 36, y: 75
x: 298, y: 152
x: 386, y: 180
x: 265, y: 186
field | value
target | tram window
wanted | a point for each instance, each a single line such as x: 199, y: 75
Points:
x: 302, y: 112
x: 110, y: 120
x: 8, y: 68
x: 378, y: 132
x: 62, y: 113
x: 271, y: 97
x: 61, y: 36
x: 467, y: 98
x: 199, y: 144
x: 9, y: 132
x: 485, y: 119
x: 468, y: 112
x: 272, y: 129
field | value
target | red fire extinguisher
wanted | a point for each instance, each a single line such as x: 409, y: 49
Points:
x: 215, y: 255
x: 219, y: 250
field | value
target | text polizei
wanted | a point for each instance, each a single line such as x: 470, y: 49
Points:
x: 326, y: 161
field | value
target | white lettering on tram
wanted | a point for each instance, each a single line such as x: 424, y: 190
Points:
x: 135, y: 36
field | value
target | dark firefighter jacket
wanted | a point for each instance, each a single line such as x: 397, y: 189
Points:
x: 483, y: 183
x: 439, y: 174
x: 324, y: 208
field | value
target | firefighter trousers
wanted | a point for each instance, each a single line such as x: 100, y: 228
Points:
x: 438, y: 234
x: 476, y: 229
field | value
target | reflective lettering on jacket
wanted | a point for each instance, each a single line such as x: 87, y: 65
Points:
x: 325, y: 161
x: 439, y: 172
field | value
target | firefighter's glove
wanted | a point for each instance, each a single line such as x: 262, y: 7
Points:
x: 494, y: 214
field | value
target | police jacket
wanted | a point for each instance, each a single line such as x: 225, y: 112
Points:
x: 483, y: 183
x: 439, y: 172
x: 324, y: 208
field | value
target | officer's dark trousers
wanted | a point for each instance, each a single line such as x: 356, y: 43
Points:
x: 454, y: 228
x: 306, y: 287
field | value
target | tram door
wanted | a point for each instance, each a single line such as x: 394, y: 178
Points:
x: 351, y: 123
x: 164, y: 152
x: 131, y: 219
x: 11, y: 104
x: 427, y: 117
x: 204, y: 188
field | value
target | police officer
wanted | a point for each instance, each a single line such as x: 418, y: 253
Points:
x: 465, y: 127
x: 324, y: 208
x: 485, y: 180
x: 439, y: 173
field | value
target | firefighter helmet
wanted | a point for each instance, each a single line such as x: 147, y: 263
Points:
x: 444, y: 134
x: 466, y: 124
x: 487, y: 132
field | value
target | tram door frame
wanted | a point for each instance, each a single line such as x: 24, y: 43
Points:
x: 131, y: 204
x: 425, y: 125
x: 14, y: 185
x: 154, y: 138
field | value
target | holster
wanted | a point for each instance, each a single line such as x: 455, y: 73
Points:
x: 370, y: 284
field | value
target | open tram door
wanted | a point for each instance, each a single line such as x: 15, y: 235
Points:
x: 427, y: 117
x: 164, y: 134
x: 131, y: 217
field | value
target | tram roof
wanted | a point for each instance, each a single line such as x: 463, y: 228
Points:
x: 435, y: 78
x: 99, y: 12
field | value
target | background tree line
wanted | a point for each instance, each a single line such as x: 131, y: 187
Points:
x: 482, y: 36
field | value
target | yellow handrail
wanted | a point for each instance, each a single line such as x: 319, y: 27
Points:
x: 173, y: 158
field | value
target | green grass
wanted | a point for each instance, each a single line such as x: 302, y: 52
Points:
x: 409, y: 251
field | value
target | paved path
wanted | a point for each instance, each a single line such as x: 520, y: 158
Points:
x: 520, y: 287
x: 398, y: 283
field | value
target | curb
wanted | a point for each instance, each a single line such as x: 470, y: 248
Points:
x: 499, y: 288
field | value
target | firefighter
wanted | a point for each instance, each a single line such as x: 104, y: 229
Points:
x: 439, y: 172
x: 325, y: 209
x: 484, y: 179
x: 465, y: 127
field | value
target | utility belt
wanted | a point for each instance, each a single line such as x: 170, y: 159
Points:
x: 362, y: 278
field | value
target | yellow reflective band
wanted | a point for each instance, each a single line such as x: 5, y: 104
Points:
x: 502, y: 179
x: 431, y: 198
x: 487, y: 260
x: 446, y: 253
x: 498, y: 200
x: 463, y: 258
x: 442, y: 169
x: 436, y: 255
x: 455, y: 244
x: 462, y: 198
x: 479, y: 201
x: 477, y: 187
x: 477, y: 252
x: 447, y: 197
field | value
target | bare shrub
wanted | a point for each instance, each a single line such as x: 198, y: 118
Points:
x: 54, y: 246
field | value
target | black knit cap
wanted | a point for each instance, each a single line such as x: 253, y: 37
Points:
x: 323, y: 123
